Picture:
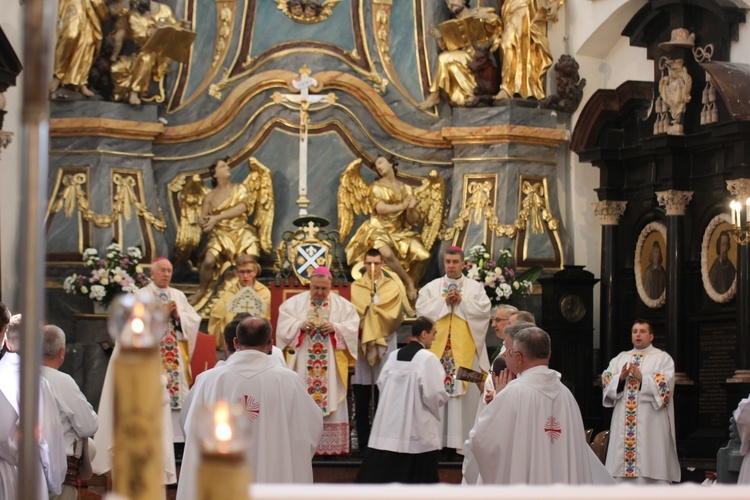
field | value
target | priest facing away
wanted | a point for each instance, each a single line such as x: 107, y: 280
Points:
x: 532, y: 431
x: 405, y: 440
x: 286, y: 425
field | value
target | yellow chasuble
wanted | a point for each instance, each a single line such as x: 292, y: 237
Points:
x: 455, y: 347
x: 220, y: 317
x: 377, y: 320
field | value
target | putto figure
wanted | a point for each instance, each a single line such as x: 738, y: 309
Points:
x: 307, y: 11
x: 394, y: 209
x: 222, y: 213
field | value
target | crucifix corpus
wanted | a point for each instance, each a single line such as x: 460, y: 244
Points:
x: 301, y: 102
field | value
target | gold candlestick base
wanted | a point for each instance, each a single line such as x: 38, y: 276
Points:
x: 137, y: 466
x: 222, y: 476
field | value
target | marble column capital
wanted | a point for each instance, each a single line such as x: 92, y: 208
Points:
x: 740, y: 189
x: 609, y: 212
x: 674, y: 201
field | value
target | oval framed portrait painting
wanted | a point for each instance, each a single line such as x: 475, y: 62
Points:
x: 719, y: 260
x: 650, y: 265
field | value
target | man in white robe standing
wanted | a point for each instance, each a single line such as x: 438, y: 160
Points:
x: 639, y: 384
x: 321, y: 328
x: 461, y: 311
x: 76, y: 415
x: 532, y: 431
x: 406, y: 434
x: 53, y: 462
x: 177, y: 344
x: 8, y: 428
x: 286, y: 424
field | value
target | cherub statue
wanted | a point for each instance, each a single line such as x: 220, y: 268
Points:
x: 159, y: 37
x: 394, y: 209
x: 224, y: 213
x: 79, y: 38
x: 307, y: 11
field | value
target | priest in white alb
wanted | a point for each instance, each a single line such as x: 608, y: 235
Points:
x: 321, y: 329
x: 176, y: 347
x: 639, y: 384
x: 286, y: 425
x: 406, y: 434
x: 461, y: 311
x: 532, y: 431
x: 52, y: 460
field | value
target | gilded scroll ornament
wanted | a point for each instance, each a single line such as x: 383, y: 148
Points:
x: 538, y: 229
x: 124, y: 202
x: 222, y: 213
x: 394, y: 209
x: 307, y: 11
x: 478, y: 205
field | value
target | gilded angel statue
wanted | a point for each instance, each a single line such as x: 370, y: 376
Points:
x: 394, y: 209
x: 222, y: 213
x: 307, y: 11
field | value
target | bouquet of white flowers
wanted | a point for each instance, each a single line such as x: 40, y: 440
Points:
x: 114, y: 273
x: 501, y: 283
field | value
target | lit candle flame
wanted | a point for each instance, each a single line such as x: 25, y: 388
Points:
x: 222, y: 429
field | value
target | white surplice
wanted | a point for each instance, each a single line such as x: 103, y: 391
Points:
x: 104, y: 437
x: 650, y: 427
x: 532, y: 433
x: 345, y: 319
x: 77, y: 416
x: 53, y: 462
x: 286, y: 424
x: 460, y: 412
x: 8, y: 448
x: 742, y: 417
x: 409, y: 410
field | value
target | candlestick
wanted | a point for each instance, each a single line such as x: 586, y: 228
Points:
x: 137, y: 465
x: 224, y: 471
x: 747, y: 211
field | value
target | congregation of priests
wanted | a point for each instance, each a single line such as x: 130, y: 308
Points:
x: 514, y: 423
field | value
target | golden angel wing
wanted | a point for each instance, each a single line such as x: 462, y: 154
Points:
x: 189, y: 231
x: 328, y: 6
x: 260, y: 201
x: 282, y: 6
x: 431, y: 199
x: 352, y: 197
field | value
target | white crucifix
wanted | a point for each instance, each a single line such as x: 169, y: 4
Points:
x: 302, y: 102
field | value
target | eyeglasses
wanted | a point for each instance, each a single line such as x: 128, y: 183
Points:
x: 498, y: 320
x: 245, y: 271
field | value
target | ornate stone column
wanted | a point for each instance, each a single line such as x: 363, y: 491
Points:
x: 675, y: 203
x: 609, y: 213
x: 740, y: 189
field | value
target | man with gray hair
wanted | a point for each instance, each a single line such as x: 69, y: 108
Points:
x: 52, y: 463
x: 77, y: 417
x: 542, y: 439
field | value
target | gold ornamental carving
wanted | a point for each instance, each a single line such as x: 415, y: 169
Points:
x: 224, y: 29
x: 307, y: 11
x: 477, y: 205
x: 674, y: 201
x: 125, y: 200
x: 535, y: 220
x: 609, y: 212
